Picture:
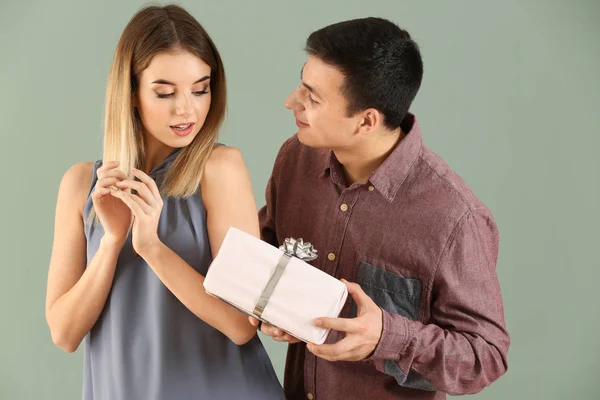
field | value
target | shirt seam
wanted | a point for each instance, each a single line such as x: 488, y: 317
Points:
x: 449, y: 241
x: 447, y: 183
x: 479, y: 237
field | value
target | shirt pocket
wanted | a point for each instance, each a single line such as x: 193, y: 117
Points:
x: 392, y: 292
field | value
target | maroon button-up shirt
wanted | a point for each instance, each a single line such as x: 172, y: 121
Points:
x: 421, y: 245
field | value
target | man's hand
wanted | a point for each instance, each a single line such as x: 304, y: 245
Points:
x: 277, y: 334
x: 362, y: 333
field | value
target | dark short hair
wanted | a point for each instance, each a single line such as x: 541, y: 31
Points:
x: 381, y: 64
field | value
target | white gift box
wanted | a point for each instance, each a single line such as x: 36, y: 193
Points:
x: 274, y: 286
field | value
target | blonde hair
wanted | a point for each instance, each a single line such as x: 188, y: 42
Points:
x: 152, y: 30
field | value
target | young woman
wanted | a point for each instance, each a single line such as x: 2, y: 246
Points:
x: 135, y: 232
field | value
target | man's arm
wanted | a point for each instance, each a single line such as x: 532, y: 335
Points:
x: 464, y: 348
x: 266, y: 214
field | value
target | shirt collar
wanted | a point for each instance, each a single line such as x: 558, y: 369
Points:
x: 164, y: 164
x: 390, y: 175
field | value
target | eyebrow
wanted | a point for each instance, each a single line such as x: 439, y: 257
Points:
x: 165, y: 82
x: 306, y: 85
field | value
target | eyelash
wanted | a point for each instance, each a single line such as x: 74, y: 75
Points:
x: 166, y: 96
x: 310, y: 99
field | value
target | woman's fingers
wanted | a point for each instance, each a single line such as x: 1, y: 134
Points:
x: 106, y: 182
x: 142, y: 190
x: 113, y: 173
x: 135, y: 204
x: 110, y: 170
x: 99, y: 193
x: 150, y: 183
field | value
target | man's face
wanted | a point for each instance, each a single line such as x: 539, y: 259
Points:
x: 320, y: 107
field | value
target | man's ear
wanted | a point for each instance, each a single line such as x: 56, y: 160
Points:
x: 370, y: 120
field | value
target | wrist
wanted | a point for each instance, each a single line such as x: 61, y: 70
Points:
x: 151, y: 250
x: 112, y: 242
x: 395, y: 336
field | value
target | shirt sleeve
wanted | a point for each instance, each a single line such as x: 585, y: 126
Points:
x: 464, y: 346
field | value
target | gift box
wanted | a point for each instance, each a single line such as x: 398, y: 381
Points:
x: 275, y: 285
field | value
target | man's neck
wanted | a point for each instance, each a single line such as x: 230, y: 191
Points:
x: 361, y: 161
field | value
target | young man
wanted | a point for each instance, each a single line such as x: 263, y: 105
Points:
x: 384, y: 211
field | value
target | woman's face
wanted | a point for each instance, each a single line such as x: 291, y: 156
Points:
x: 173, y: 98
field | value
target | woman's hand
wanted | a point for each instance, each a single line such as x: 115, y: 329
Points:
x: 146, y: 207
x: 113, y: 214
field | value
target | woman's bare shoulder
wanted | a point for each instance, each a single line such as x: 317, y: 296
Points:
x: 75, y: 184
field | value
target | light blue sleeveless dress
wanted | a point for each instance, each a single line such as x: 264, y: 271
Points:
x: 146, y: 344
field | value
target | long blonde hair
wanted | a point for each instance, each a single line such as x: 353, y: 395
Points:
x: 152, y: 30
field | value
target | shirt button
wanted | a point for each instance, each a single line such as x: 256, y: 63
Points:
x: 310, y: 396
x: 331, y: 256
x: 371, y: 188
x: 344, y: 207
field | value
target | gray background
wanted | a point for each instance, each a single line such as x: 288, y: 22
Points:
x: 510, y: 99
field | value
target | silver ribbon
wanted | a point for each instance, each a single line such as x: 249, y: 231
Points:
x: 291, y: 248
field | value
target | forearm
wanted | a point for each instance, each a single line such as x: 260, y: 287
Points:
x: 451, y: 361
x: 74, y: 314
x: 187, y: 285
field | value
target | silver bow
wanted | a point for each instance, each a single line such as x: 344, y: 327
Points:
x: 299, y: 249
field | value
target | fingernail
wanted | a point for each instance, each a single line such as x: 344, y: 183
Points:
x: 318, y: 322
